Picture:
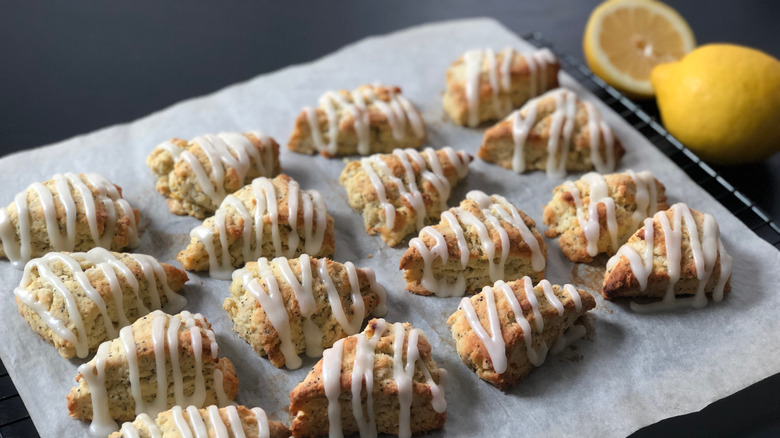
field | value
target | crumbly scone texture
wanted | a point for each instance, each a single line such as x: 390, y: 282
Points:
x: 46, y: 294
x: 195, y: 257
x: 178, y: 182
x: 39, y: 236
x: 363, y: 197
x: 498, y: 145
x: 309, y: 405
x: 477, y: 272
x: 560, y: 215
x: 456, y: 103
x: 252, y: 324
x: 381, y: 137
x: 167, y: 427
x: 620, y: 281
x: 473, y: 351
x: 121, y: 405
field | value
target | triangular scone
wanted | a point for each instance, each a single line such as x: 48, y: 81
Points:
x: 158, y: 362
x: 372, y: 118
x: 386, y: 374
x: 484, y: 240
x: 622, y: 202
x: 196, y: 175
x: 268, y: 218
x: 502, y: 348
x: 230, y: 421
x: 76, y: 301
x: 677, y: 252
x: 399, y: 193
x: 67, y: 213
x: 286, y: 306
x: 483, y: 85
x: 555, y: 132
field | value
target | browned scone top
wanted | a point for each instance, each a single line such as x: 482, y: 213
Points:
x: 370, y: 119
x: 549, y: 123
x: 503, y: 83
x: 228, y: 160
x: 629, y: 205
x: 334, y: 315
x: 620, y: 280
x: 403, y: 176
x: 309, y: 403
x: 111, y: 367
x: 212, y: 419
x: 475, y: 354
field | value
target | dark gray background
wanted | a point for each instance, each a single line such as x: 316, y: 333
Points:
x: 70, y: 68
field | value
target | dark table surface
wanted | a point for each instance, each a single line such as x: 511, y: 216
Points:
x: 70, y: 68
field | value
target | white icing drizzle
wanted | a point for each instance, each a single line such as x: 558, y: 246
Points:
x: 363, y: 371
x: 20, y: 252
x: 431, y: 169
x: 495, y: 211
x: 196, y: 427
x: 704, y: 250
x: 314, y: 222
x: 398, y: 111
x: 494, y: 342
x: 107, y: 263
x: 94, y: 371
x: 225, y: 150
x: 270, y: 299
x: 500, y: 78
x: 646, y: 196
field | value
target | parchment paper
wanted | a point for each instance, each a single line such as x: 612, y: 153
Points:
x: 636, y: 369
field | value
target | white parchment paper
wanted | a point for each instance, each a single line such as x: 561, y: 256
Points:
x: 636, y: 370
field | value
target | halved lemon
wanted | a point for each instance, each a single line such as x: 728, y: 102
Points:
x: 625, y: 39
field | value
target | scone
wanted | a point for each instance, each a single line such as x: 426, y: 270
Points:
x: 268, y: 218
x: 505, y: 331
x: 383, y: 380
x: 372, y: 118
x: 67, y: 213
x: 75, y: 301
x: 230, y: 421
x: 484, y: 240
x: 556, y: 132
x: 677, y: 252
x: 598, y: 213
x: 159, y: 362
x: 399, y: 193
x: 284, y: 307
x: 483, y: 85
x: 196, y: 175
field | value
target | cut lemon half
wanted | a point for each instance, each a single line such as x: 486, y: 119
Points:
x: 625, y: 39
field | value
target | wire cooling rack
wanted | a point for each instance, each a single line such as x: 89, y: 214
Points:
x: 16, y: 422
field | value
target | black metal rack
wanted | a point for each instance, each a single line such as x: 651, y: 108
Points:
x: 16, y: 422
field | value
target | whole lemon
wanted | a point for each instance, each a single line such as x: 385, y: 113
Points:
x: 723, y: 102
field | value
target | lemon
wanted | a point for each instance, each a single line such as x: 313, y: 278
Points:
x: 625, y: 39
x: 723, y: 102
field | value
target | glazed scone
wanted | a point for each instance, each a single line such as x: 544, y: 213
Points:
x: 484, y: 240
x: 677, y: 252
x: 586, y: 228
x: 284, y: 307
x: 230, y: 421
x: 196, y: 175
x: 76, y: 301
x: 556, y: 132
x: 546, y: 312
x: 158, y: 362
x: 483, y: 85
x: 389, y: 365
x: 268, y: 218
x: 398, y: 193
x: 371, y: 119
x: 67, y: 213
